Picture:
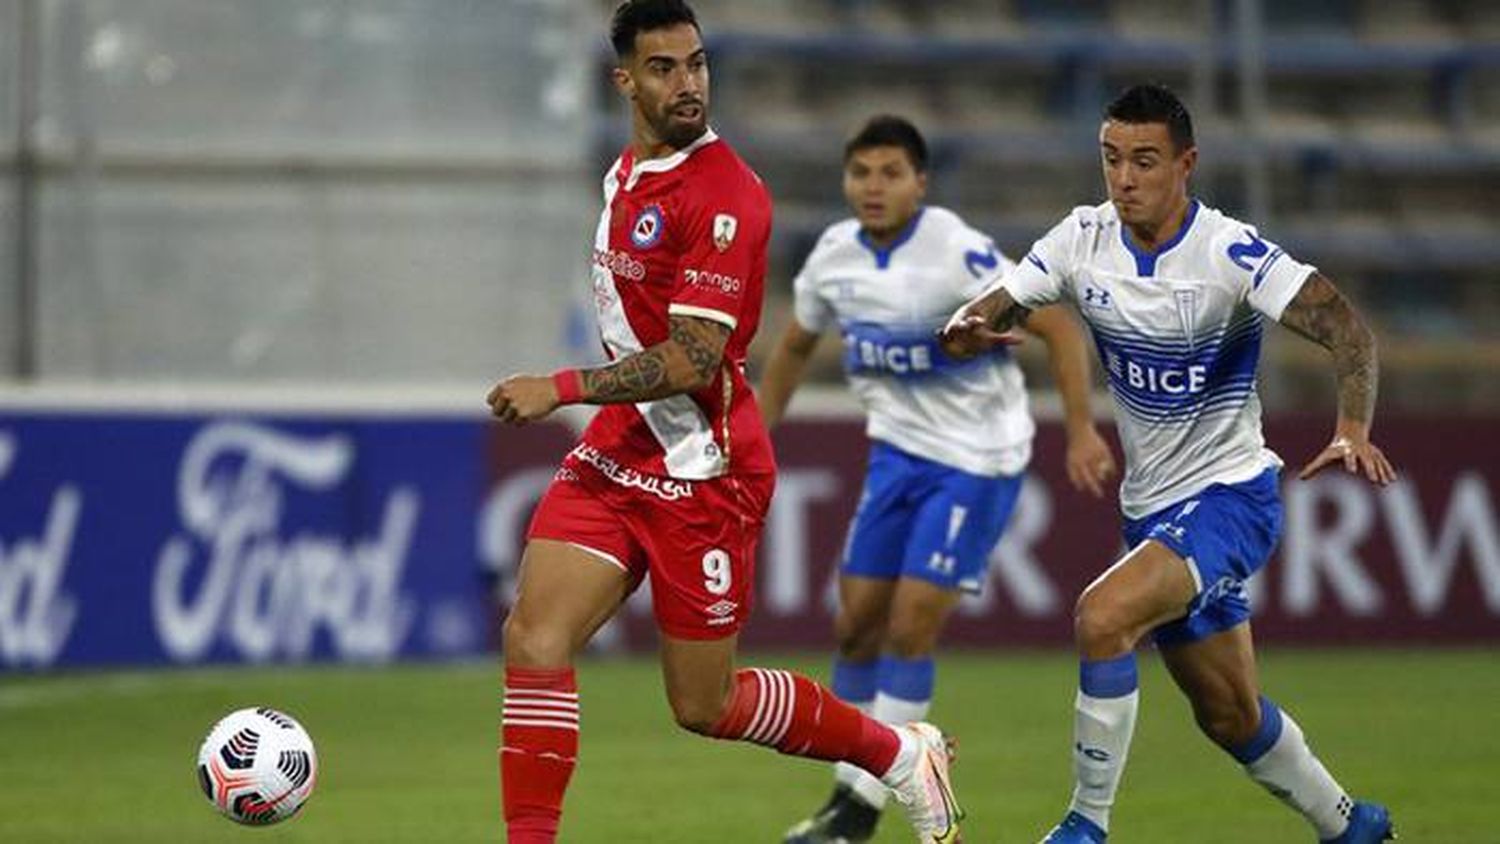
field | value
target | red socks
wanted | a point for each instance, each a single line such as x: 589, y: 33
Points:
x: 779, y: 709
x: 801, y: 718
x: 539, y: 745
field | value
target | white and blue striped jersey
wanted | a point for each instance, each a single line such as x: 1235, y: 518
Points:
x: 1178, y: 333
x: 888, y: 304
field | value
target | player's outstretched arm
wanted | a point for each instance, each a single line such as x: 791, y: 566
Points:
x: 1089, y: 461
x: 784, y: 372
x: 1320, y: 313
x: 982, y: 324
x: 688, y: 360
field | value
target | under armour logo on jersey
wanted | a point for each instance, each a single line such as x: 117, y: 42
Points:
x: 1096, y: 298
x: 725, y: 227
x: 646, y: 232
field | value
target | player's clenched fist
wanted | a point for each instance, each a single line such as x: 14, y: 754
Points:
x: 523, y: 398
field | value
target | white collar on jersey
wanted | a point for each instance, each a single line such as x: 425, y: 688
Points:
x: 662, y: 165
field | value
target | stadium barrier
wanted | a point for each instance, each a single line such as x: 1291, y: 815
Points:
x: 170, y: 537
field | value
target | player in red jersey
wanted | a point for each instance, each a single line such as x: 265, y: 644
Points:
x: 674, y: 475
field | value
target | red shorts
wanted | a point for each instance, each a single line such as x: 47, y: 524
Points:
x: 695, y: 538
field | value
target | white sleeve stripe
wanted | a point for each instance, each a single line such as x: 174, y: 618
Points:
x: 1276, y: 303
x: 702, y: 313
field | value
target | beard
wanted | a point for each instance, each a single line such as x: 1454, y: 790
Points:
x: 679, y: 132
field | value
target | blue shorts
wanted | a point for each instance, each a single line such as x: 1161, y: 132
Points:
x: 1225, y: 533
x: 923, y: 519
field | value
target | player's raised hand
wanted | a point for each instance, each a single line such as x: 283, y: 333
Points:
x: 1091, y: 464
x: 523, y: 398
x: 1359, y: 456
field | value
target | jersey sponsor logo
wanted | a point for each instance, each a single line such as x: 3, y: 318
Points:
x: 1172, y: 381
x: 1242, y: 253
x: 725, y: 228
x: 726, y: 284
x: 980, y: 263
x: 873, y: 349
x: 866, y: 355
x: 620, y: 264
x: 667, y: 489
x: 646, y: 231
x: 1253, y: 248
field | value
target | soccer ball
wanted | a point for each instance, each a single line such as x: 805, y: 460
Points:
x: 257, y: 766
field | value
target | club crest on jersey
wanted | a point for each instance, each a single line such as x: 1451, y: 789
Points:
x: 646, y: 232
x: 725, y: 228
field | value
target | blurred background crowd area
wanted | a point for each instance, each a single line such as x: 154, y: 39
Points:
x: 403, y: 192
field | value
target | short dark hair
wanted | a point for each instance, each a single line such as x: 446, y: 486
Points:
x: 888, y: 130
x: 1154, y: 104
x: 636, y: 16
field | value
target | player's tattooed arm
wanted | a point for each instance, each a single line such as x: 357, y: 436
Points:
x: 688, y: 360
x: 1320, y: 313
x: 999, y: 309
x: 983, y: 323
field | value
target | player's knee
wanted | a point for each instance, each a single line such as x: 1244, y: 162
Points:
x: 858, y: 641
x: 910, y: 637
x: 530, y: 645
x: 1100, y: 629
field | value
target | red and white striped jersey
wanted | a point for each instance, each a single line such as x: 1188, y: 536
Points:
x: 682, y: 235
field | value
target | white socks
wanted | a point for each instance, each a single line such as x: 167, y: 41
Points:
x: 1277, y: 756
x: 1102, y: 728
x: 1293, y: 775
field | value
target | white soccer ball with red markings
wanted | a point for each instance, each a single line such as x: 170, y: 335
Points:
x: 257, y: 766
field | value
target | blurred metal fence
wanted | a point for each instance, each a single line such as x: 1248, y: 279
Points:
x: 292, y: 189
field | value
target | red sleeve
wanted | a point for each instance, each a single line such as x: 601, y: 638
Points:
x: 723, y: 246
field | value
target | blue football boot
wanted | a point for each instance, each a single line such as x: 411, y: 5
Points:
x: 1077, y: 829
x: 1369, y: 823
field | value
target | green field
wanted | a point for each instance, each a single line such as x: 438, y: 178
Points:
x: 408, y: 754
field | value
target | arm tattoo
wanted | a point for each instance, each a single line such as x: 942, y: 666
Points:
x: 690, y: 357
x: 1322, y: 314
x: 1004, y: 312
x: 702, y: 341
x: 638, y: 377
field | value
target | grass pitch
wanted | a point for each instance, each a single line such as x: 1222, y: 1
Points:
x: 408, y: 753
